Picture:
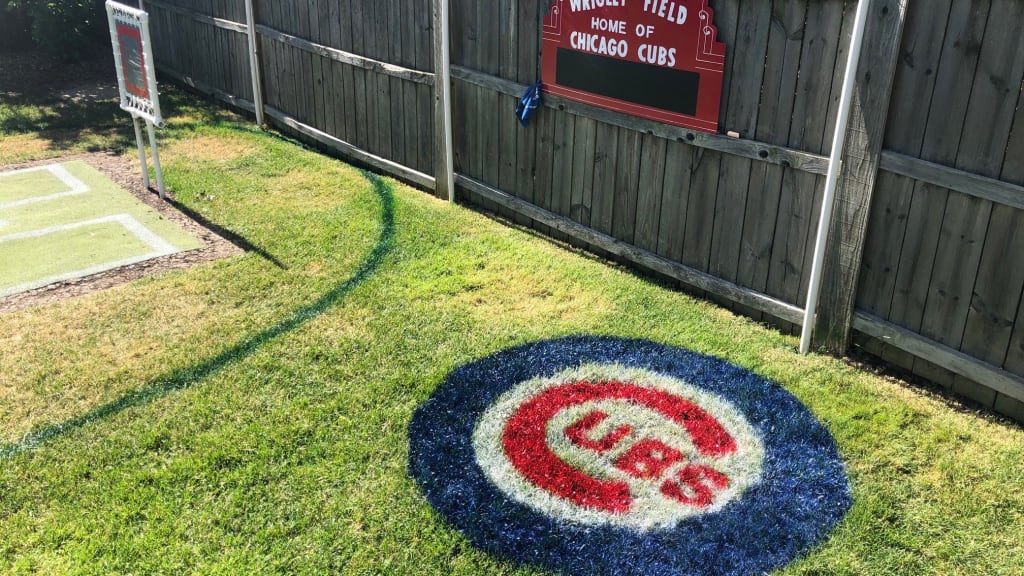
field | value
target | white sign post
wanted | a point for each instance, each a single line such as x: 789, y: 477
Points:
x: 136, y: 79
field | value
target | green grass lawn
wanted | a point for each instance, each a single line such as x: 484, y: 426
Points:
x: 250, y: 415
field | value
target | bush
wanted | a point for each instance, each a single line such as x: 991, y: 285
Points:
x: 14, y: 28
x: 68, y: 29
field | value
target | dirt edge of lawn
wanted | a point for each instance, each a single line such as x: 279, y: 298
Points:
x: 120, y: 169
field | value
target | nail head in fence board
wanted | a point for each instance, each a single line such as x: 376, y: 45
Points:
x: 860, y: 160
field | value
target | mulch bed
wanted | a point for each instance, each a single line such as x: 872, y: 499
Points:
x: 121, y: 170
x: 40, y: 77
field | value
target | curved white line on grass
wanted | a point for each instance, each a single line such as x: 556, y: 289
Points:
x: 158, y: 246
x: 75, y: 186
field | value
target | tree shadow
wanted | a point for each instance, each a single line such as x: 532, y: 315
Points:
x: 84, y: 119
x: 186, y: 377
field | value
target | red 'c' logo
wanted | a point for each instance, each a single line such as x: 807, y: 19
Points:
x: 604, y: 444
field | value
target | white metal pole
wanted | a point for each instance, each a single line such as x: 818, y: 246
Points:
x: 446, y: 87
x: 254, y: 63
x: 445, y: 168
x: 834, y: 170
x: 142, y: 151
x: 156, y: 160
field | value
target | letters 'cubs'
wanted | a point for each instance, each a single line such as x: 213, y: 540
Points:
x: 608, y: 456
x: 605, y: 444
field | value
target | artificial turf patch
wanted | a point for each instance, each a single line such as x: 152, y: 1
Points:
x: 606, y: 456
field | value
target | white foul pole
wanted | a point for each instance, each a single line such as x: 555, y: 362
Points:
x: 254, y: 62
x: 834, y: 170
x: 443, y: 98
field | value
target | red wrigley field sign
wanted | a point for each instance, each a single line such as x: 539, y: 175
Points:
x: 657, y: 59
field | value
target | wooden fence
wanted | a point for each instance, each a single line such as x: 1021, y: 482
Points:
x: 925, y: 265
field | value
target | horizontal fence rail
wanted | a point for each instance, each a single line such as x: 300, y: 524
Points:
x: 926, y: 267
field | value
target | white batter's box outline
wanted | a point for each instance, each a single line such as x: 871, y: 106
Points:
x: 75, y: 186
x: 158, y: 246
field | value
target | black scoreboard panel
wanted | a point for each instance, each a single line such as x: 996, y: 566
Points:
x: 643, y: 84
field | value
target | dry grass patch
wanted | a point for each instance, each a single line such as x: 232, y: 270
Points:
x: 216, y: 149
x: 21, y: 147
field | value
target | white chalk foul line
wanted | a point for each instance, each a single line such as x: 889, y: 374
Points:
x: 158, y: 246
x: 75, y: 186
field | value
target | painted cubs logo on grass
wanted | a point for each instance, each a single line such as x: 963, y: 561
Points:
x: 607, y: 445
x: 608, y: 456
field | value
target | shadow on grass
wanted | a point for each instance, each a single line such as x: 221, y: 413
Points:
x: 64, y: 124
x: 186, y: 377
x: 233, y: 237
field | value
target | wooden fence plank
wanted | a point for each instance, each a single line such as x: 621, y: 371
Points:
x: 584, y: 148
x: 546, y: 122
x: 411, y: 57
x: 1013, y: 170
x: 701, y: 209
x: 785, y: 40
x: 798, y: 191
x: 528, y: 27
x: 627, y: 181
x: 360, y: 76
x: 317, y: 64
x: 396, y: 98
x: 748, y: 55
x: 649, y: 195
x: 913, y: 89
x: 948, y: 358
x: 561, y: 181
x: 675, y: 199
x: 336, y: 95
x: 605, y: 159
x: 982, y: 146
x: 327, y: 22
x: 992, y: 293
x: 964, y: 34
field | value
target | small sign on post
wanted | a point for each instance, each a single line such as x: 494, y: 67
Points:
x: 656, y: 59
x: 136, y: 79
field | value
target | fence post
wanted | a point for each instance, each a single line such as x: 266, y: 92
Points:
x: 860, y: 161
x: 445, y: 163
x: 254, y: 62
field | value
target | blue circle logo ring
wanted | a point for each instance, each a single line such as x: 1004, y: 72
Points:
x: 594, y: 455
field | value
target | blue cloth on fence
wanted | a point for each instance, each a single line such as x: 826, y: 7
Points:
x: 528, y: 104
